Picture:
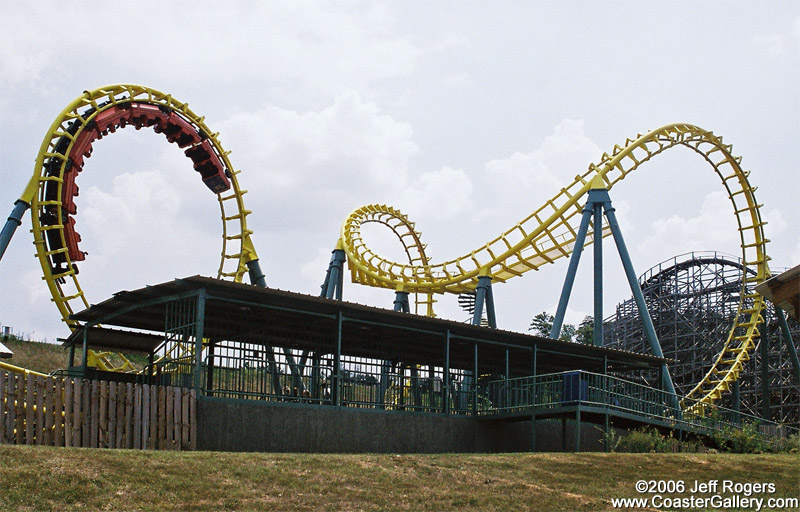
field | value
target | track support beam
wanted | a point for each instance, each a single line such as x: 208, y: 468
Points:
x: 572, y: 270
x: 787, y: 339
x: 401, y: 302
x: 483, y: 296
x: 256, y: 274
x: 14, y: 221
x: 599, y: 199
x: 334, y: 277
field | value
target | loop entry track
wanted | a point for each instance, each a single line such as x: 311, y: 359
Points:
x: 52, y: 191
x: 549, y: 233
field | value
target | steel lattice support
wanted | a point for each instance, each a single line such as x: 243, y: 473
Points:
x: 693, y: 300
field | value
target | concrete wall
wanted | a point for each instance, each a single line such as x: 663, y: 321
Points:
x: 245, y: 425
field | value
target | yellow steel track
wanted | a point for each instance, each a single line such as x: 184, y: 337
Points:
x: 66, y: 291
x: 409, y: 237
x: 549, y: 233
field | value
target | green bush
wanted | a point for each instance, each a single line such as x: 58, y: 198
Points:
x: 646, y: 440
x: 789, y: 444
x: 747, y: 439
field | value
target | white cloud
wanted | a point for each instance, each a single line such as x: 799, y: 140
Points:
x: 457, y: 80
x: 140, y: 232
x: 319, y: 48
x: 797, y: 31
x: 796, y: 254
x: 519, y: 184
x: 348, y: 149
x: 714, y: 228
x: 445, y: 194
x: 140, y: 205
x: 328, y: 106
x: 774, y: 45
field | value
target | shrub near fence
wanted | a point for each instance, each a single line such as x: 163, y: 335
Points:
x: 55, y: 411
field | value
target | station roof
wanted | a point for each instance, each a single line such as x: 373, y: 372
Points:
x: 783, y: 290
x: 277, y: 318
x: 5, y: 352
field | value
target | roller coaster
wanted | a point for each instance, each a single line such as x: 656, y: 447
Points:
x: 549, y: 233
x: 51, y: 192
x: 544, y: 236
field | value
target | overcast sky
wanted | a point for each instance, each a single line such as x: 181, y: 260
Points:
x: 465, y: 115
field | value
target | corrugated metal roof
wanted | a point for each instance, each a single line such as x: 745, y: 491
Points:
x: 241, y: 312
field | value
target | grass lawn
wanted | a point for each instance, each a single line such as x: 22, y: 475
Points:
x: 48, y: 357
x: 39, y: 357
x: 42, y: 478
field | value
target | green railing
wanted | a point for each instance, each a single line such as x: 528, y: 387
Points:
x: 555, y: 393
x: 548, y: 392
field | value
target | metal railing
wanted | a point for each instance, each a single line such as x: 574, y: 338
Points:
x: 553, y: 393
x: 543, y: 393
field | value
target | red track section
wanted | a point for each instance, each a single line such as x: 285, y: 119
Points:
x: 140, y: 115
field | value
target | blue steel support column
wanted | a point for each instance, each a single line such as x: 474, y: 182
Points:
x: 574, y: 259
x: 210, y: 370
x: 71, y: 362
x: 533, y: 396
x: 507, y: 387
x: 446, y: 375
x: 787, y: 339
x: 647, y: 322
x: 199, y: 322
x: 334, y: 278
x: 490, y: 313
x: 256, y: 274
x: 85, y: 350
x: 598, y: 272
x: 401, y: 302
x: 764, y: 352
x: 315, y: 374
x: 475, y: 382
x: 383, y: 385
x: 400, y: 305
x: 480, y: 298
x: 11, y: 225
x: 483, y: 296
x: 336, y: 398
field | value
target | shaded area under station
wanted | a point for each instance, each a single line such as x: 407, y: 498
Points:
x: 283, y: 371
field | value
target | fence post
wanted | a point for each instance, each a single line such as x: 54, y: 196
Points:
x: 39, y: 391
x: 120, y: 412
x: 145, y: 416
x: 50, y: 412
x: 93, y: 411
x: 169, y: 431
x: 153, y: 444
x: 30, y: 398
x: 19, y: 409
x: 2, y: 407
x: 76, y: 412
x: 193, y: 419
x: 67, y: 413
x: 85, y: 414
x: 103, y: 415
x: 58, y: 411
x: 137, y: 417
x: 185, y: 423
x: 129, y: 414
x: 162, y: 415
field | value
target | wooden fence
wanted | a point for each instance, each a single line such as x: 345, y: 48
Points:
x: 55, y: 411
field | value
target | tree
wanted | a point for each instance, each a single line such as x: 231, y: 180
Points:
x: 585, y: 332
x: 567, y: 332
x: 542, y: 324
